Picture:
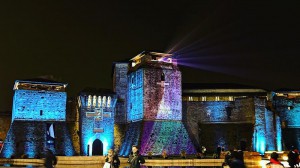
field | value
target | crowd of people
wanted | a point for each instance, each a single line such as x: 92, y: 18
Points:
x: 233, y: 158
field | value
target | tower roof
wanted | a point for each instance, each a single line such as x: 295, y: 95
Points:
x: 39, y: 84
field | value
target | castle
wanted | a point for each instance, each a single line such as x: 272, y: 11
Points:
x: 150, y: 107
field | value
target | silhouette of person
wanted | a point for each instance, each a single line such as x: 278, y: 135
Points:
x: 135, y: 160
x: 50, y: 159
x: 274, y: 162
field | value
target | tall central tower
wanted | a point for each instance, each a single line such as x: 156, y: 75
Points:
x: 154, y: 106
x: 154, y: 88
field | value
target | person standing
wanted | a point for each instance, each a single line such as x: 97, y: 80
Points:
x: 50, y: 159
x: 203, y: 151
x: 135, y: 160
x: 112, y: 159
x: 274, y: 162
x: 293, y: 157
x: 219, y: 151
x: 236, y: 161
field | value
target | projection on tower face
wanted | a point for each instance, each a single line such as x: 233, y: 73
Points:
x: 154, y: 88
x: 39, y: 101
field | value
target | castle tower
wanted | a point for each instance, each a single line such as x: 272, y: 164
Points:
x: 38, y: 120
x: 97, y: 111
x: 120, y: 70
x: 154, y: 106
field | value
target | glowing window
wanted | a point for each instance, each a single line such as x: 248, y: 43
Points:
x: 230, y: 98
x: 99, y: 101
x: 94, y: 100
x: 217, y: 98
x: 203, y: 98
x: 108, y: 101
x: 104, y: 101
x: 89, y: 102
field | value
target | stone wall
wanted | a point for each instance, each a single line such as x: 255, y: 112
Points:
x: 289, y: 112
x: 201, y: 115
x: 227, y: 135
x: 30, y: 138
x: 39, y: 105
x: 5, y: 121
x: 120, y: 88
x: 73, y: 123
x: 132, y: 137
x: 96, y: 123
x: 135, y: 96
x: 171, y: 136
x: 162, y: 98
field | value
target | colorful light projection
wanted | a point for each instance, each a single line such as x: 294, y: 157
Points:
x: 132, y: 137
x: 165, y: 135
x: 162, y: 94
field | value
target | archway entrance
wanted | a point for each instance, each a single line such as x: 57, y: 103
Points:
x: 97, y: 148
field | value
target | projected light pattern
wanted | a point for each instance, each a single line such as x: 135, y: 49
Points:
x: 96, y: 124
x: 33, y: 143
x: 88, y: 135
x: 132, y: 137
x: 162, y: 94
x: 39, y: 105
x: 135, y: 96
x: 32, y: 106
x: 167, y: 135
x: 217, y: 111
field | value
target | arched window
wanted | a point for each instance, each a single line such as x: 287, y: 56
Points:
x: 108, y: 101
x: 89, y: 102
x: 94, y: 100
x: 99, y: 101
x: 104, y: 101
x: 162, y: 77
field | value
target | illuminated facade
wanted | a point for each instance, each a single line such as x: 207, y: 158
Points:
x: 232, y: 116
x: 120, y: 86
x: 97, y: 111
x: 154, y: 108
x: 38, y: 120
x: 149, y: 107
x: 286, y: 103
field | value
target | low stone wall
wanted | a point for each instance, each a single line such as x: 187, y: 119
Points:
x: 64, y: 161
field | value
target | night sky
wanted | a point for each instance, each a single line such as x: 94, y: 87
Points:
x: 254, y: 43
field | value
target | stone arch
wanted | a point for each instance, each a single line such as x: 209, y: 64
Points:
x: 97, y: 148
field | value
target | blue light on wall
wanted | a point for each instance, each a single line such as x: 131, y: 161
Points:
x: 135, y: 96
x: 270, y: 131
x: 90, y: 126
x: 278, y: 134
x: 30, y: 147
x: 39, y: 105
x: 259, y: 137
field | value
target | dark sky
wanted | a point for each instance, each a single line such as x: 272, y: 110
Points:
x: 248, y: 42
